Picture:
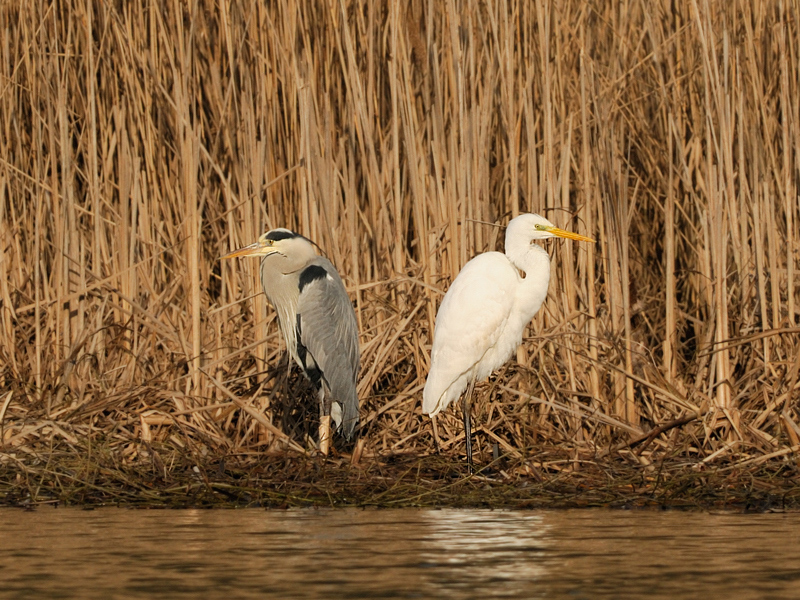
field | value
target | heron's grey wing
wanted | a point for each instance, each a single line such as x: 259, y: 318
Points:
x: 328, y: 332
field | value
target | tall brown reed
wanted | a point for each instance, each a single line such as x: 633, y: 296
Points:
x: 140, y: 141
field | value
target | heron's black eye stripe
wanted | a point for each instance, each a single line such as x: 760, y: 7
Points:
x: 281, y: 235
x: 311, y: 273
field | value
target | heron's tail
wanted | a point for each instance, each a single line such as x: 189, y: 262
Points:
x: 350, y: 416
x: 344, y: 409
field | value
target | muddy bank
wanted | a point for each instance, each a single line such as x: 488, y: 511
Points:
x: 549, y: 479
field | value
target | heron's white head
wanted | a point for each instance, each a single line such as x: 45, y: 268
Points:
x: 288, y: 245
x: 535, y: 227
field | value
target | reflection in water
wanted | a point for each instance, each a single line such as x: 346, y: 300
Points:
x: 494, y: 553
x: 117, y: 553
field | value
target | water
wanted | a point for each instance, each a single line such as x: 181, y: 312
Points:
x: 118, y: 553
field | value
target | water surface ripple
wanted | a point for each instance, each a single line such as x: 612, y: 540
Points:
x: 118, y: 553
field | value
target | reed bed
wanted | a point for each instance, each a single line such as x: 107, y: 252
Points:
x: 142, y: 141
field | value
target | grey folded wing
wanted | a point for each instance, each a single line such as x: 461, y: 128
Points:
x: 327, y: 330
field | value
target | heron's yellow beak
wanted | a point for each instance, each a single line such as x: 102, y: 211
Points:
x: 259, y: 248
x: 568, y: 234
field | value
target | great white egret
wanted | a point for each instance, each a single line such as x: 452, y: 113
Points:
x: 480, y: 322
x: 317, y: 321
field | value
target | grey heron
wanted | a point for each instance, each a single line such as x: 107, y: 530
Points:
x: 482, y: 317
x: 317, y: 321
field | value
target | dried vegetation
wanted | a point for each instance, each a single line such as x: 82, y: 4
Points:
x: 140, y: 141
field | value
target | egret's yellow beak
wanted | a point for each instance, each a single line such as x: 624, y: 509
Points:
x: 568, y: 234
x: 259, y: 248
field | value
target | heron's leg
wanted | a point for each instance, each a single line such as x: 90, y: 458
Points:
x: 468, y: 423
x: 324, y: 434
x: 324, y: 422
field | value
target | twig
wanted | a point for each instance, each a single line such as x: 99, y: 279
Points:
x: 649, y: 436
x: 255, y: 414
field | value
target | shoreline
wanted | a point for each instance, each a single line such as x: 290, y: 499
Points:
x: 549, y: 480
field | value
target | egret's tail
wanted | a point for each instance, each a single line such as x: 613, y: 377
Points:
x: 432, y: 397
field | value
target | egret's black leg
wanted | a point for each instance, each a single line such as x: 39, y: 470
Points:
x: 468, y: 424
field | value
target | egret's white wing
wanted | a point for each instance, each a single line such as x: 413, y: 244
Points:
x: 469, y: 325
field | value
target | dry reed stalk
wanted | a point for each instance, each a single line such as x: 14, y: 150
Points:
x: 588, y: 217
x: 788, y: 184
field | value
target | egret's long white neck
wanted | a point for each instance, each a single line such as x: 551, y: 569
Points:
x: 518, y: 248
x: 534, y: 262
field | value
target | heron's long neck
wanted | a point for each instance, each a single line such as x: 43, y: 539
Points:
x: 534, y: 262
x: 281, y: 291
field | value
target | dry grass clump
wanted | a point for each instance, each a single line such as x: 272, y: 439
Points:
x: 141, y: 141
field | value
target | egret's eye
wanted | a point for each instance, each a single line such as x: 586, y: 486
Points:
x: 539, y: 227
